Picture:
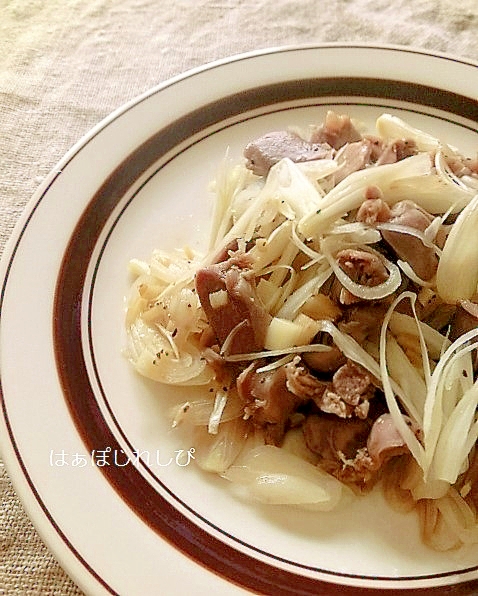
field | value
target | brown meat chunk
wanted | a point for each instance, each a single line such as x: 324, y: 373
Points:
x: 267, y: 400
x: 387, y: 152
x: 349, y: 393
x: 465, y: 319
x: 364, y: 321
x: 352, y: 158
x: 353, y: 450
x: 324, y: 362
x: 363, y: 268
x: 462, y: 166
x: 422, y: 259
x: 262, y: 153
x: 337, y: 130
x: 341, y: 447
x: 385, y: 441
x: 241, y: 313
x: 357, y: 155
x: 374, y: 210
x: 301, y: 382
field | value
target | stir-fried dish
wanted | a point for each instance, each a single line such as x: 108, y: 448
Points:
x: 332, y: 323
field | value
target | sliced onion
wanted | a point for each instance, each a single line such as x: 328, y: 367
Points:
x: 416, y: 449
x: 434, y: 227
x: 435, y: 421
x: 407, y: 269
x: 444, y: 170
x: 215, y: 453
x: 276, y: 364
x: 392, y: 127
x: 230, y: 337
x: 198, y: 412
x: 436, y: 342
x: 457, y: 274
x: 357, y: 232
x: 151, y: 355
x: 433, y: 418
x: 301, y: 245
x: 470, y: 181
x: 275, y: 353
x: 297, y: 299
x: 277, y: 477
x: 366, y: 292
x: 407, y: 376
x: 217, y: 411
x: 459, y: 519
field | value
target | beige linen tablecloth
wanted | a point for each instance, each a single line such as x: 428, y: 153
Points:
x: 65, y: 64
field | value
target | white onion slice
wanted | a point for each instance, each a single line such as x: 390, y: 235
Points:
x: 276, y: 477
x: 365, y: 292
x: 275, y: 353
x: 217, y: 412
x: 407, y: 269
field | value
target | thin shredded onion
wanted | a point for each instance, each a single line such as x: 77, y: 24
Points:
x: 436, y: 402
x: 294, y: 302
x: 217, y: 412
x: 410, y: 273
x: 275, y: 353
x: 457, y: 274
x: 350, y: 192
x: 416, y: 449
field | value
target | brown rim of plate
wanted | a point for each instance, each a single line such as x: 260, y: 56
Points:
x: 191, y: 539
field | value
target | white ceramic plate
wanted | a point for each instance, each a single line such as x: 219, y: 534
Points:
x: 157, y: 525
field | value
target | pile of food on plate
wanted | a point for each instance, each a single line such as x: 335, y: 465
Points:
x: 332, y: 323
